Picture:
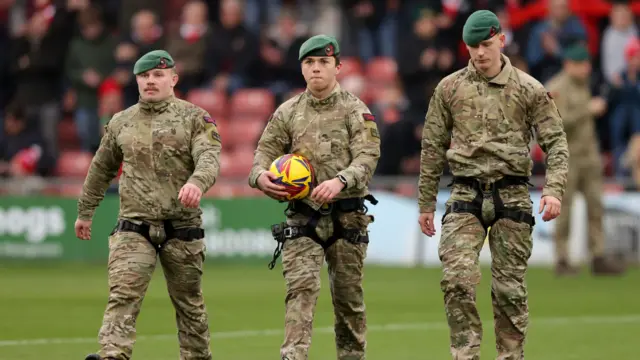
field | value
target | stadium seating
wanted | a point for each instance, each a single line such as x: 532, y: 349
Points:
x: 213, y: 102
x: 73, y: 164
x: 252, y: 103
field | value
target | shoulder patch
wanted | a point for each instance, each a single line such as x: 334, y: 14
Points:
x: 368, y: 117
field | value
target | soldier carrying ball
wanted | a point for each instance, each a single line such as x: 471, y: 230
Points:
x: 338, y: 135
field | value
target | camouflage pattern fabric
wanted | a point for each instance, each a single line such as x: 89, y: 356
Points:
x: 510, y: 243
x: 162, y: 146
x: 484, y: 127
x: 339, y: 136
x: 585, y: 169
x: 132, y: 261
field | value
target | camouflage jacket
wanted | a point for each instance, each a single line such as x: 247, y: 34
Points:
x: 162, y: 146
x: 337, y: 134
x: 572, y: 98
x: 484, y: 129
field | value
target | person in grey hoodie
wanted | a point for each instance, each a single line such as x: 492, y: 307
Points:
x: 620, y: 30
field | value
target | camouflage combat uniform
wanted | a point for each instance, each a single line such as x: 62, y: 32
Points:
x: 162, y: 146
x: 483, y: 127
x: 572, y: 97
x: 339, y: 137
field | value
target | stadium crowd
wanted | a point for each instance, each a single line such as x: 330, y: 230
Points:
x: 65, y: 67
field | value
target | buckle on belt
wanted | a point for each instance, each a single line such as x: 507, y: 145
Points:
x: 287, y: 232
x: 486, y: 187
x: 326, y: 209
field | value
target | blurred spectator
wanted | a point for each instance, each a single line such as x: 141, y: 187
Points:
x: 233, y: 53
x: 5, y: 79
x: 90, y: 60
x: 188, y: 45
x: 423, y: 58
x: 22, y: 150
x: 621, y: 29
x: 373, y: 26
x: 130, y: 9
x: 279, y: 54
x: 549, y: 37
x: 625, y: 97
x: 146, y: 34
x: 37, y: 63
x: 389, y: 106
x: 110, y: 100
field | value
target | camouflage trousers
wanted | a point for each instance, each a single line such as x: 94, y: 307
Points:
x: 585, y: 176
x: 510, y: 242
x: 302, y: 260
x: 132, y: 261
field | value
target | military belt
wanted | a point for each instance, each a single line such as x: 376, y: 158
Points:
x: 490, y: 189
x: 282, y: 232
x: 184, y: 234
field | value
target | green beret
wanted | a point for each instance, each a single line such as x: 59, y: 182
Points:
x: 156, y: 59
x: 577, y: 52
x: 480, y: 26
x: 319, y: 45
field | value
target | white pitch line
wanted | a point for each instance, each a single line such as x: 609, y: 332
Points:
x: 425, y: 326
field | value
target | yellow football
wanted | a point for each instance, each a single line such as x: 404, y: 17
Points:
x: 295, y: 173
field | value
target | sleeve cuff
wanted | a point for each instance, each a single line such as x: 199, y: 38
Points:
x: 197, y: 183
x: 253, y: 179
x: 85, y: 215
x: 550, y: 192
x: 427, y: 209
x: 351, y: 181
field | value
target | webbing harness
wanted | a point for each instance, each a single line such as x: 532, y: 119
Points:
x: 486, y: 190
x: 186, y: 234
x: 282, y: 231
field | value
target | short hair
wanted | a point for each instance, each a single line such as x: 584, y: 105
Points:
x: 16, y: 110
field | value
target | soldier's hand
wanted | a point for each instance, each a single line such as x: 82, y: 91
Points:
x: 597, y: 106
x: 266, y: 185
x: 190, y: 195
x: 552, y: 206
x: 327, y: 190
x: 426, y: 224
x: 83, y: 229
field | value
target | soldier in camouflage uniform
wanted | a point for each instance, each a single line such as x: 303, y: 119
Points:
x: 170, y: 153
x: 571, y: 92
x: 481, y: 119
x: 336, y: 132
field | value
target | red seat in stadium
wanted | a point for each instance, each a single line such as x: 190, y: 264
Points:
x: 74, y: 164
x: 350, y: 66
x: 214, y: 102
x: 245, y: 132
x: 382, y: 70
x: 250, y: 102
x: 68, y: 135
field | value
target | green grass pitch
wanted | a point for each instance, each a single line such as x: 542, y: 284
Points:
x: 53, y: 312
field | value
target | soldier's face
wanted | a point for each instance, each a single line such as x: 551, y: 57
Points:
x: 486, y: 55
x: 320, y: 71
x: 157, y: 84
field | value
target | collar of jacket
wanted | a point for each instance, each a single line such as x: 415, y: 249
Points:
x: 157, y: 107
x: 503, y: 76
x: 330, y: 100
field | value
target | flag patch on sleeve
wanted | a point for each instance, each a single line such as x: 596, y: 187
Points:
x: 368, y: 117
